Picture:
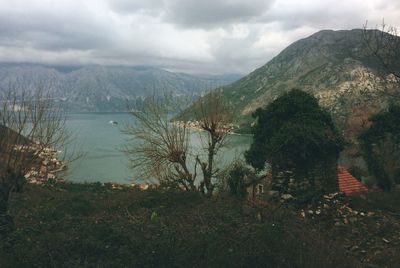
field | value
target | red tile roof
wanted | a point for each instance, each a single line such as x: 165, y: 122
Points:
x: 348, y: 184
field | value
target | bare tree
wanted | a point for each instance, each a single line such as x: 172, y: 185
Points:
x: 31, y: 125
x: 165, y: 152
x: 384, y: 44
x: 215, y: 118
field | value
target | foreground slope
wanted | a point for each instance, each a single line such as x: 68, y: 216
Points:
x: 94, y: 225
x: 97, y: 226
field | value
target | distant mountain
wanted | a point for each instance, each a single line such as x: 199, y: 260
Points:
x: 334, y: 66
x: 104, y: 88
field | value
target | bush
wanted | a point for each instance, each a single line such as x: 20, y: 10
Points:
x: 239, y: 177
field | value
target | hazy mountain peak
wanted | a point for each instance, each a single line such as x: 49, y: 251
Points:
x: 102, y: 88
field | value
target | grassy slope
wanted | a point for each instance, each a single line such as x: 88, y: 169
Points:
x: 74, y: 225
x: 96, y: 226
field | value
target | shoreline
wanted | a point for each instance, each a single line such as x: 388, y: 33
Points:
x: 49, y: 165
x: 227, y: 128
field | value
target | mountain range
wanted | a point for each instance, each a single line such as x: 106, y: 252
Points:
x: 104, y: 88
x: 335, y: 66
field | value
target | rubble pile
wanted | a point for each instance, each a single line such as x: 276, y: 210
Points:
x: 334, y: 206
x: 367, y: 231
x: 368, y: 235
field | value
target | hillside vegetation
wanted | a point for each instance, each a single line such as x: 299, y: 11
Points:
x: 334, y: 66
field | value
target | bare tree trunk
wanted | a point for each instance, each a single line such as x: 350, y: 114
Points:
x: 210, y: 165
x: 214, y: 116
x: 6, y: 221
x: 207, y: 168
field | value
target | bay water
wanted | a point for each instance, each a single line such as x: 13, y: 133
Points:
x: 99, y: 137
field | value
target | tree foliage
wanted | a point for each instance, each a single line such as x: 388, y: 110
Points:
x: 380, y: 146
x: 293, y: 133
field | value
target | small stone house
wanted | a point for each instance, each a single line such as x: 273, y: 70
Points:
x: 260, y: 189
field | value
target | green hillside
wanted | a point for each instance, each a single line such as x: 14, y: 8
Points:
x: 335, y: 66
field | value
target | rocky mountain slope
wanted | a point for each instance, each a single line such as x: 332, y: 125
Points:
x: 101, y: 88
x: 335, y: 66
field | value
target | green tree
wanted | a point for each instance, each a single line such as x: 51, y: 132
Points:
x: 293, y: 133
x: 380, y: 147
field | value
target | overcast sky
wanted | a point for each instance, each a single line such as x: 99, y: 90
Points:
x: 195, y: 36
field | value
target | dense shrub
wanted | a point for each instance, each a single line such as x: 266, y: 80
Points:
x: 380, y: 147
x: 239, y: 178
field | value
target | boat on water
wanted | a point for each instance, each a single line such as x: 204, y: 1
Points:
x: 113, y: 122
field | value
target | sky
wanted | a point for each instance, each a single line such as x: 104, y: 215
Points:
x: 192, y: 36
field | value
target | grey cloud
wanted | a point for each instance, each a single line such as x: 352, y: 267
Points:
x: 212, y: 13
x: 323, y: 15
x: 194, y: 13
x: 333, y: 14
x: 132, y: 6
x: 49, y: 31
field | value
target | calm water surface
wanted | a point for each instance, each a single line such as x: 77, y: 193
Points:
x: 102, y: 142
